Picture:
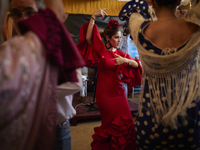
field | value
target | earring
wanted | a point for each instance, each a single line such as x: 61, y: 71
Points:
x: 108, y: 45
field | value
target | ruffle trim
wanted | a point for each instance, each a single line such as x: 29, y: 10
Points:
x: 60, y: 48
x: 131, y: 7
x: 131, y: 76
x: 49, y: 33
x: 92, y: 54
x: 53, y: 41
x: 118, y: 136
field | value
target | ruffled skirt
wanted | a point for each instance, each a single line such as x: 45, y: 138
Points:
x: 119, y: 135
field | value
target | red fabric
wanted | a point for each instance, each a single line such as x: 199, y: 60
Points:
x: 118, y: 136
x: 91, y: 56
x: 117, y: 129
x: 60, y: 48
x: 130, y: 90
x: 133, y: 77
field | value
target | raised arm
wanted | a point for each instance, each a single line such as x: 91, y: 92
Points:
x: 99, y: 12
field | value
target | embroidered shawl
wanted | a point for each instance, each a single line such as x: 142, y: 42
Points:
x: 173, y: 79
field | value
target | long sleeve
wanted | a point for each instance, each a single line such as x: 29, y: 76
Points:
x: 92, y: 54
x: 65, y: 93
x: 69, y: 88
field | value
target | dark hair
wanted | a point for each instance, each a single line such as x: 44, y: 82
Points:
x: 108, y: 32
x: 166, y: 3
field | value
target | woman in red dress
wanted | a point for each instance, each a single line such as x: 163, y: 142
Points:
x: 117, y: 129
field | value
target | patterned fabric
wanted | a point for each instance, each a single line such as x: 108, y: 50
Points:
x: 28, y: 81
x: 21, y: 81
x: 161, y: 136
x: 169, y: 113
x: 150, y: 46
x: 132, y: 7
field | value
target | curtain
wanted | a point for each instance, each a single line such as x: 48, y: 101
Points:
x: 90, y: 6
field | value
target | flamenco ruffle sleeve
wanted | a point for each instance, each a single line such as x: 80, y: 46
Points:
x: 92, y: 54
x: 131, y: 76
x: 60, y: 48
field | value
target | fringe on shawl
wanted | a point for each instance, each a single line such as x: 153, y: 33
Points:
x: 173, y: 92
x: 181, y: 78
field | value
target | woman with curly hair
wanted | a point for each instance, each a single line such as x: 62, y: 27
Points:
x: 117, y: 129
x: 168, y: 47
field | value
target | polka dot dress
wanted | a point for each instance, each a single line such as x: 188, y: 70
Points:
x: 149, y: 134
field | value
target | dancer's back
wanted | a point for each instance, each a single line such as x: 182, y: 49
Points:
x: 170, y: 33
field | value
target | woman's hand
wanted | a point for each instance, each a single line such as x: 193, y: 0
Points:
x: 100, y: 12
x: 119, y: 60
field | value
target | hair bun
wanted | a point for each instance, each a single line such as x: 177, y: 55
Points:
x: 113, y: 24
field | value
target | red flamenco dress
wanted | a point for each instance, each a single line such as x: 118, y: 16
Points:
x: 117, y: 129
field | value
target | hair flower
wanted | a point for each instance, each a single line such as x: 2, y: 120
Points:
x: 113, y: 24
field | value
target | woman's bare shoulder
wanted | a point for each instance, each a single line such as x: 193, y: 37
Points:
x: 172, y: 33
x: 173, y: 27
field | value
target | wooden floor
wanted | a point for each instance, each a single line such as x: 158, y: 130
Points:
x: 87, y: 109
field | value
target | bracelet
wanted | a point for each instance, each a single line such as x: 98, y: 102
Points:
x: 93, y: 18
x: 129, y: 62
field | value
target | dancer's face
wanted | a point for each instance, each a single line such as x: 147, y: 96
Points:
x: 115, y: 39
